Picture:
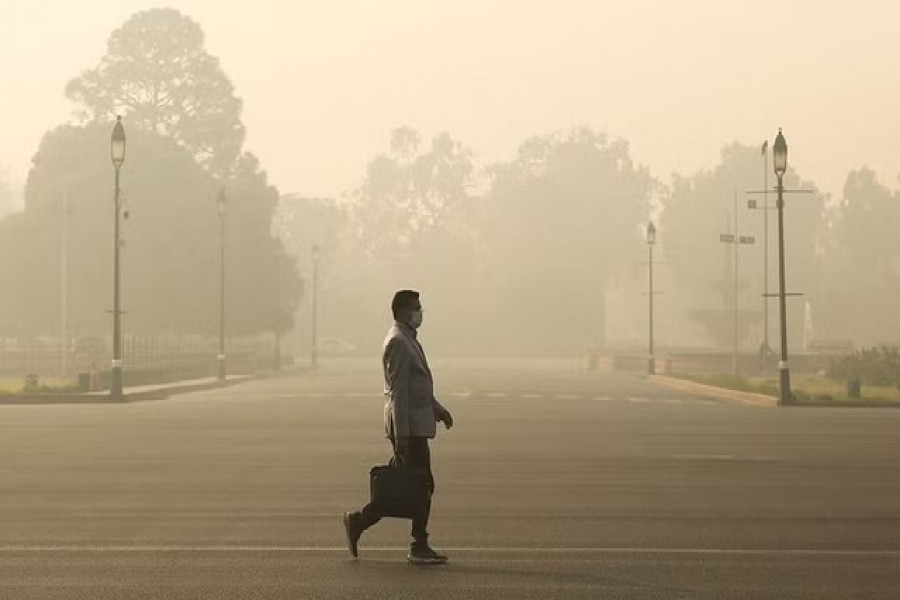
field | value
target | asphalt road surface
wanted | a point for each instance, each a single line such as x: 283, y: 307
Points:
x: 554, y: 483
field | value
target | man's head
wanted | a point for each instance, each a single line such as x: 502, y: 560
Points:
x: 407, y: 308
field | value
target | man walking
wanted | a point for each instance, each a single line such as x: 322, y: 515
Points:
x: 411, y: 413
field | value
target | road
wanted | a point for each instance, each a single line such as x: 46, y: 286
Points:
x: 554, y: 483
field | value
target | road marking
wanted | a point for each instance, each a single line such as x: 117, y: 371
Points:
x: 705, y: 456
x: 531, y: 396
x: 672, y: 401
x: 566, y: 397
x: 727, y: 457
x: 460, y: 394
x: 709, y: 403
x: 356, y: 395
x: 472, y: 549
x: 638, y: 400
x: 602, y: 398
x: 496, y: 394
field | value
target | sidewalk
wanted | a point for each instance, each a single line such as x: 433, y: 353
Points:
x: 130, y: 394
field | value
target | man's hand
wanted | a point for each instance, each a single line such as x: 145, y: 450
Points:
x: 447, y: 418
x: 401, y: 447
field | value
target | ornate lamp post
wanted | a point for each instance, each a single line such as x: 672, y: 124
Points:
x: 780, y: 163
x: 222, y: 205
x: 651, y: 240
x: 117, y: 153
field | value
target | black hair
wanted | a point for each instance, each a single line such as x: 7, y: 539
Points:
x: 403, y: 300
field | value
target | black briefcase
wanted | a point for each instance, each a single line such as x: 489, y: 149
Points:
x: 398, y: 491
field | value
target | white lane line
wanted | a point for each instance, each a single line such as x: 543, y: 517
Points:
x: 460, y: 394
x: 567, y: 397
x: 473, y: 549
x: 704, y: 456
x: 356, y: 395
x: 726, y: 457
x: 531, y: 396
x: 672, y: 401
x: 638, y: 400
x: 602, y: 398
x: 709, y: 403
x: 496, y: 394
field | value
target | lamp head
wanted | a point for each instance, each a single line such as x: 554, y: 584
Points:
x: 117, y: 143
x: 779, y: 153
x: 222, y: 202
x: 651, y: 233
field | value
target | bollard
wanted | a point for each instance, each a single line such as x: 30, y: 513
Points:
x: 95, y: 378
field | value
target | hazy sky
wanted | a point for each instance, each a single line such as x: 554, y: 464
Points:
x: 324, y: 82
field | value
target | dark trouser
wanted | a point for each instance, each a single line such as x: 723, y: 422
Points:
x: 419, y: 456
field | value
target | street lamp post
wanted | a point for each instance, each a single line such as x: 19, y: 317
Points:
x: 651, y: 240
x: 780, y: 163
x: 314, y: 358
x: 117, y: 152
x: 765, y: 212
x: 222, y: 205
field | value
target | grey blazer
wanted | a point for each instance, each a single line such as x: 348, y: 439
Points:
x: 410, y: 409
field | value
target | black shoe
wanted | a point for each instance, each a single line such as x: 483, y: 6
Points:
x: 424, y: 555
x: 353, y: 529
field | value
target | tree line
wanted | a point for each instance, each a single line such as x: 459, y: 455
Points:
x: 184, y: 149
x: 546, y: 253
x: 543, y: 253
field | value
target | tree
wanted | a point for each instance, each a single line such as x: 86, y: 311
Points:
x: 411, y: 224
x: 6, y: 195
x: 563, y: 221
x: 171, y: 241
x: 157, y: 72
x: 408, y: 192
x: 266, y: 286
x: 699, y: 209
x: 302, y: 223
x: 863, y: 264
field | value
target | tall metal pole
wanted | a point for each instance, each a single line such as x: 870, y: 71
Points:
x: 651, y: 360
x: 734, y: 341
x: 221, y: 357
x: 734, y: 238
x: 64, y: 286
x: 314, y: 351
x: 276, y: 358
x: 784, y: 378
x: 116, y: 386
x: 765, y: 213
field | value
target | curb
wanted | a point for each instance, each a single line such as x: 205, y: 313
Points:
x: 763, y: 400
x: 104, y: 398
x: 748, y: 398
x: 161, y: 393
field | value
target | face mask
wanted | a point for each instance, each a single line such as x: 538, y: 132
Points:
x: 415, y: 319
